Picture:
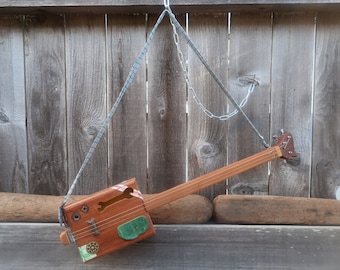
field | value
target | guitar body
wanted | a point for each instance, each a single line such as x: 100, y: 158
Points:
x: 107, y: 221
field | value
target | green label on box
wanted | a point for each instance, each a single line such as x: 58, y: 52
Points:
x: 85, y: 255
x: 134, y: 228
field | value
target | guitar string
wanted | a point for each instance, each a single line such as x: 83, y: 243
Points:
x: 108, y: 223
x: 113, y: 220
x: 264, y: 156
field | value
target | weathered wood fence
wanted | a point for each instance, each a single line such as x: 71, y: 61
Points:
x: 61, y: 73
x: 62, y: 65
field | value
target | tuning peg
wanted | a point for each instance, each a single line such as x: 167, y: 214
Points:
x: 275, y: 138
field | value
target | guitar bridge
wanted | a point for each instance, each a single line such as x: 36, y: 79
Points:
x: 93, y: 227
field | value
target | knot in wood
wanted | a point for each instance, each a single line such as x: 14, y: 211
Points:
x: 242, y: 189
x: 3, y: 118
x: 92, y: 130
x: 207, y: 150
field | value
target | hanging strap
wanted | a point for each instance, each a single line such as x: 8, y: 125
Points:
x: 110, y: 115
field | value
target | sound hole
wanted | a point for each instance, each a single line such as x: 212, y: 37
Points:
x: 92, y: 248
x: 125, y: 195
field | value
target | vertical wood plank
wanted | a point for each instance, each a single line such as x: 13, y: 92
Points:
x: 127, y: 137
x: 86, y: 98
x: 207, y: 138
x: 292, y: 86
x: 166, y: 113
x: 326, y: 136
x: 13, y: 141
x: 46, y: 105
x: 250, y: 58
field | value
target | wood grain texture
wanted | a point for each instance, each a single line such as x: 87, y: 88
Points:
x: 166, y: 111
x: 46, y: 104
x: 326, y: 151
x: 86, y: 99
x: 127, y: 136
x: 253, y: 209
x: 36, y: 246
x: 207, y: 138
x: 13, y: 142
x: 250, y: 58
x: 291, y: 98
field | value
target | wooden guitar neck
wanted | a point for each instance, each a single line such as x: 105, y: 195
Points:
x: 283, y: 148
x: 212, y: 178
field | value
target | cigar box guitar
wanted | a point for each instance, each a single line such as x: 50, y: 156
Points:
x: 118, y: 216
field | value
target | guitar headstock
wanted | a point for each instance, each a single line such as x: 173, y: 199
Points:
x: 286, y: 144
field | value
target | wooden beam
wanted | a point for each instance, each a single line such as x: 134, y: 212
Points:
x: 36, y: 246
x: 155, y: 6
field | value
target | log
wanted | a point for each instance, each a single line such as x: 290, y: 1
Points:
x: 253, y: 209
x: 17, y: 207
